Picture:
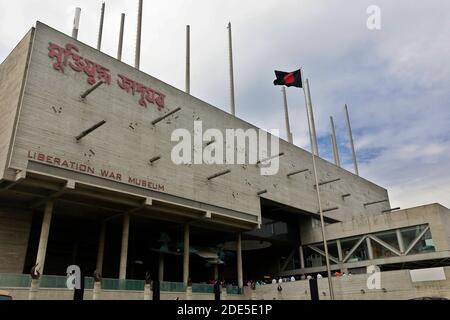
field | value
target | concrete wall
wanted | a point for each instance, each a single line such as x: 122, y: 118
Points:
x: 395, y: 285
x: 64, y: 294
x: 126, y: 150
x: 15, y: 228
x: 12, y: 74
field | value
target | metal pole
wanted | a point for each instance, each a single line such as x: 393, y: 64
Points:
x: 239, y: 261
x: 337, y: 159
x: 315, y: 147
x: 76, y: 23
x: 100, y: 31
x: 101, y: 248
x: 122, y: 28
x: 322, y: 221
x: 186, y: 252
x: 43, y: 239
x: 124, y: 249
x: 232, y: 96
x: 137, y: 62
x: 355, y: 162
x: 188, y: 59
x: 286, y: 115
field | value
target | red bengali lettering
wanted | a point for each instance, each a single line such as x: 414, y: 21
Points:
x: 93, y: 70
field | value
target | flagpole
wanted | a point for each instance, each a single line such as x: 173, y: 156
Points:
x: 188, y: 59
x: 316, y: 178
x: 337, y: 159
x: 313, y: 123
x: 286, y: 115
x: 100, y: 31
x: 355, y: 162
x: 230, y: 52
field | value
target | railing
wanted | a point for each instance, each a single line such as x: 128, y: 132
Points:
x: 233, y: 290
x: 15, y: 280
x: 172, y: 287
x: 202, y: 288
x: 127, y: 285
x: 53, y: 282
x: 60, y: 282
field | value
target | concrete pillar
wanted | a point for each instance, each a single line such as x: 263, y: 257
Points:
x: 97, y: 290
x: 401, y: 243
x: 186, y: 255
x: 101, y: 249
x: 339, y: 248
x: 148, y: 292
x: 43, y: 240
x: 32, y: 295
x: 216, y: 272
x: 124, y: 251
x: 369, y: 248
x: 239, y: 261
x: 161, y: 268
x: 224, y: 294
x: 302, y: 258
x: 189, y: 293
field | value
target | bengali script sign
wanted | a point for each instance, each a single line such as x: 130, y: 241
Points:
x: 69, y: 56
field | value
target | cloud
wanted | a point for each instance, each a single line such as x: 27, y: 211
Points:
x: 395, y: 80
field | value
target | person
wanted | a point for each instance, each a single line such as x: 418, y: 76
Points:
x: 274, y: 281
x: 344, y: 274
x: 337, y: 274
x: 292, y: 279
x: 319, y: 276
x: 156, y: 288
x: 280, y: 281
x: 309, y: 277
x: 217, y: 290
x: 303, y: 277
x: 349, y: 273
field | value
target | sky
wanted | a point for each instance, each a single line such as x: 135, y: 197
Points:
x: 395, y: 81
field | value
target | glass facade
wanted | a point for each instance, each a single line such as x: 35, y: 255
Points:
x: 409, y: 236
x: 425, y: 244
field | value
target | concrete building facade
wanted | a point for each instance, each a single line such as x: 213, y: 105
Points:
x: 86, y: 178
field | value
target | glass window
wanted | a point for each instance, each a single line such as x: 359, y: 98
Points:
x: 360, y: 253
x: 390, y: 237
x: 313, y: 258
x: 332, y: 250
x: 380, y: 252
x: 425, y: 244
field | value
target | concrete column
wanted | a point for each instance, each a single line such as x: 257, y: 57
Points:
x: 339, y: 248
x: 401, y: 243
x: 161, y: 268
x: 43, y: 240
x: 101, y: 249
x: 186, y: 255
x: 124, y: 251
x: 148, y: 292
x: 239, y: 261
x: 97, y: 290
x: 302, y: 258
x: 189, y: 293
x: 369, y: 248
x: 32, y: 295
x: 224, y: 294
x: 216, y: 272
